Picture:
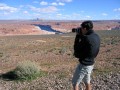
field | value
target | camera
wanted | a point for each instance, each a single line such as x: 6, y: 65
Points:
x: 77, y: 30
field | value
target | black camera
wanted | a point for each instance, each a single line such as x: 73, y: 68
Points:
x: 77, y: 30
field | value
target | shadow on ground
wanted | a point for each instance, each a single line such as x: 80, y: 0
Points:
x: 9, y: 76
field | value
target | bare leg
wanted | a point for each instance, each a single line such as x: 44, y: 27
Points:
x: 88, y: 86
x: 76, y: 87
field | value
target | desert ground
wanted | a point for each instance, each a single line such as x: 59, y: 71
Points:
x: 30, y: 27
x: 54, y: 54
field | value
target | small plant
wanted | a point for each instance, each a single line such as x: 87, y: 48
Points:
x: 1, y: 54
x: 62, y: 75
x: 27, y: 70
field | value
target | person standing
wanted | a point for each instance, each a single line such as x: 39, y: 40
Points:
x: 86, y: 48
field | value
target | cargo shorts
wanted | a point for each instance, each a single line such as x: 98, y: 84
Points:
x: 82, y: 73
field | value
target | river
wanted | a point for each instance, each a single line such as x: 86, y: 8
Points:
x: 48, y: 28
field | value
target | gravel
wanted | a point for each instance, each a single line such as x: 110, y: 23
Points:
x: 109, y: 81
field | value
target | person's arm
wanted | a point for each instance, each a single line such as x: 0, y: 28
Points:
x: 77, y: 38
x: 77, y: 45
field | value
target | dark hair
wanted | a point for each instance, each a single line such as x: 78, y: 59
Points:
x: 87, y: 24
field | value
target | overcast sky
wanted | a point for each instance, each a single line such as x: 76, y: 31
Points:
x: 60, y: 9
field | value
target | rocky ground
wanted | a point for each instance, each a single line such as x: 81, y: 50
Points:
x: 54, y: 54
x: 109, y: 81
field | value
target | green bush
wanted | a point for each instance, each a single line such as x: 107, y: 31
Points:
x: 27, y: 70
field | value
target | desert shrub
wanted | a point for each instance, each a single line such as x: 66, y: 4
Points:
x: 1, y: 54
x: 27, y: 70
x: 63, y: 50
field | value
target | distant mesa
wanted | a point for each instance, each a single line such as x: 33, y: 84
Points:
x: 116, y: 28
x: 37, y: 19
x: 57, y: 24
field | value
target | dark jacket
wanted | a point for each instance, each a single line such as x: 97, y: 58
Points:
x: 86, y: 47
